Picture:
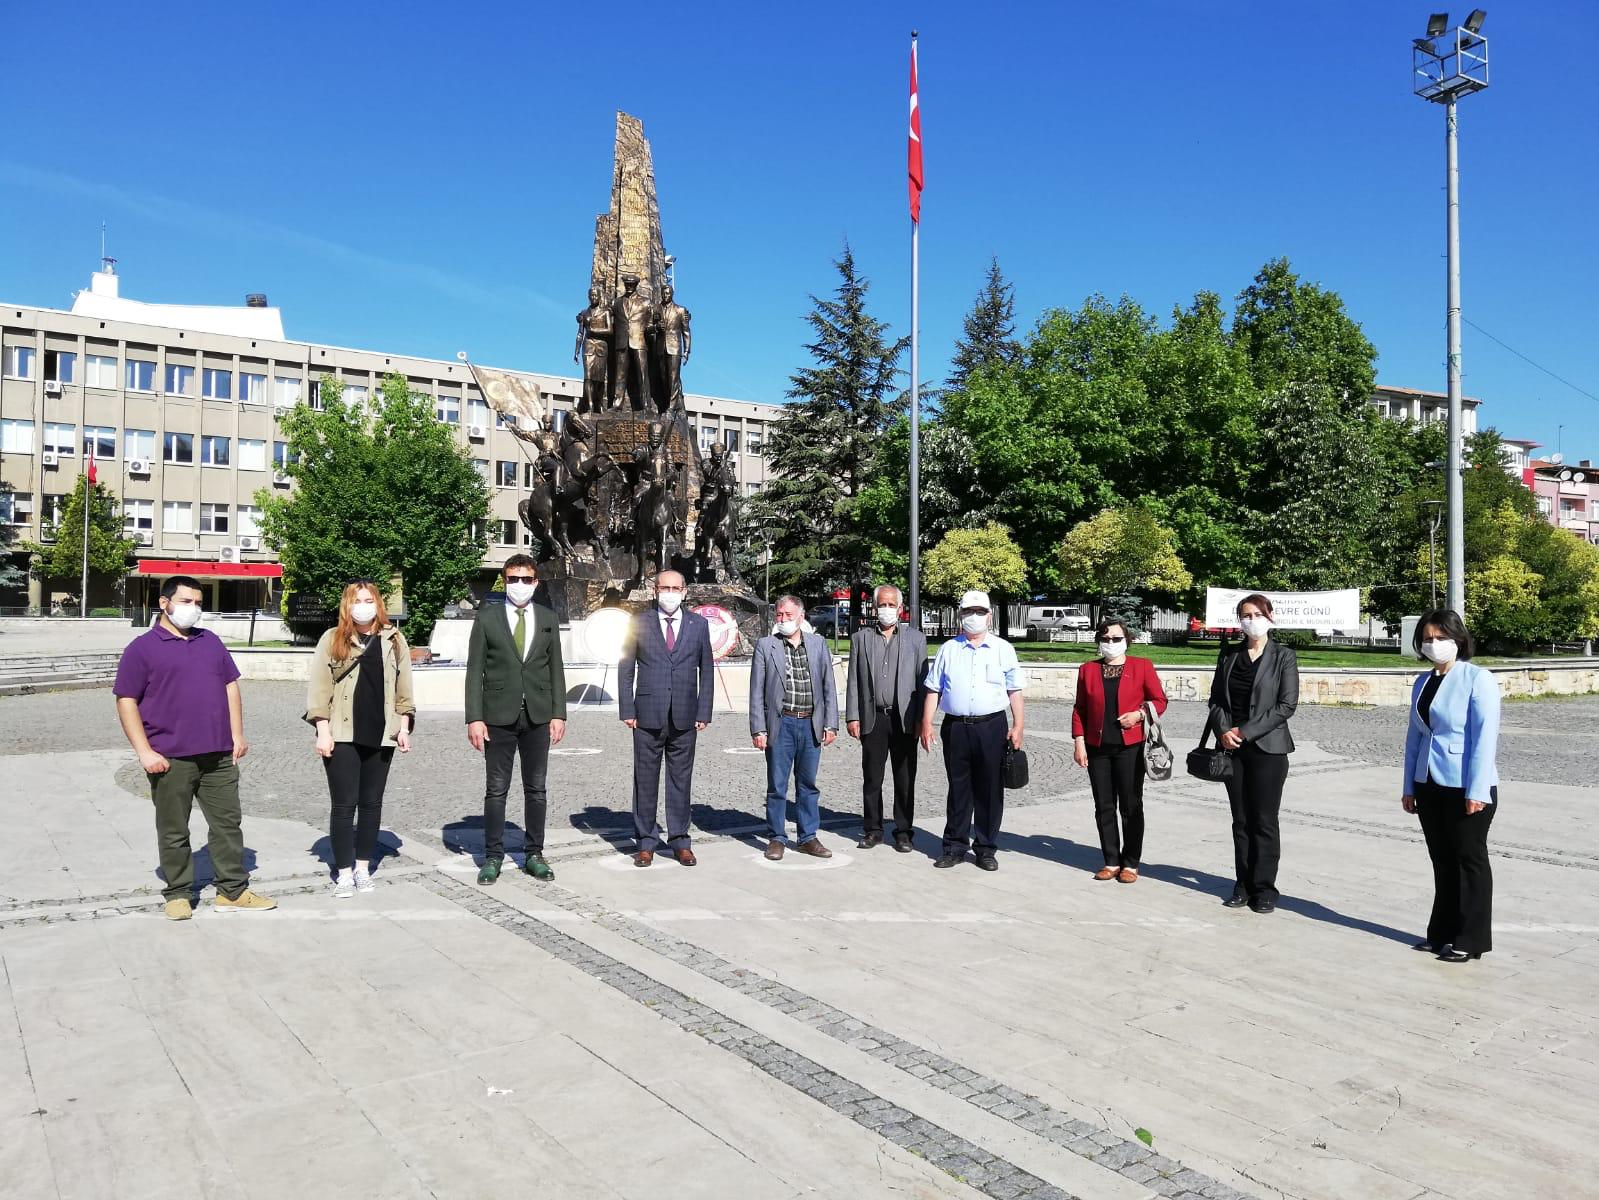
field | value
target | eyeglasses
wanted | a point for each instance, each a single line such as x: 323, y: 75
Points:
x: 981, y: 612
x: 1114, y: 639
x: 521, y: 579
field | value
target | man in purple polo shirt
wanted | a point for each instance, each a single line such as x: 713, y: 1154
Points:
x: 178, y: 699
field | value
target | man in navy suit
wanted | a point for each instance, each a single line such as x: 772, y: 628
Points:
x: 664, y: 690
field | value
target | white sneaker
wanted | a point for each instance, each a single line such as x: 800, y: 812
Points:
x: 363, y: 881
x: 343, y: 887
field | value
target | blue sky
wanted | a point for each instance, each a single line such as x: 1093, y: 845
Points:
x: 424, y: 179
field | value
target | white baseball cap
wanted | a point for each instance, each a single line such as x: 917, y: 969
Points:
x: 975, y: 600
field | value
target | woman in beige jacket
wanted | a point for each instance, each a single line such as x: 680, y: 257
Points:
x: 360, y: 703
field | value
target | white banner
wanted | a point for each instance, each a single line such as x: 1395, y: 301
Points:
x: 1290, y: 610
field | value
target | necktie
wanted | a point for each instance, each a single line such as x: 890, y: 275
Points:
x: 519, y: 635
x: 671, y: 635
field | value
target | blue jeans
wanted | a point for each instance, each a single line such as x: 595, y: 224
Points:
x: 792, y: 746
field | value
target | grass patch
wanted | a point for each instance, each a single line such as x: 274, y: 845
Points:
x: 259, y: 645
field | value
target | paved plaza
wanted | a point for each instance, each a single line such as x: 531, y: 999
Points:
x: 864, y: 1026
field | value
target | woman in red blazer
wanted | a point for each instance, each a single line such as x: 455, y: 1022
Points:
x: 1108, y: 739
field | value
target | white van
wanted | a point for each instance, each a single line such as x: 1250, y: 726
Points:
x: 1042, y: 620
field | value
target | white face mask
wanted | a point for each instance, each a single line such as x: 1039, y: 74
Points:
x: 1441, y: 651
x: 184, y: 616
x: 520, y: 593
x: 1255, y: 627
x: 887, y: 614
x: 670, y: 602
x: 363, y: 611
x: 1112, y: 649
x: 974, y: 622
x: 787, y: 628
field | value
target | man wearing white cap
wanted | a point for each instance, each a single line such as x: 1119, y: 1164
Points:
x: 974, y: 679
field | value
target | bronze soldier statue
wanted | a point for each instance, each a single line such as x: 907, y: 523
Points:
x: 630, y: 368
x: 673, y: 342
x: 593, y: 350
x: 713, y: 530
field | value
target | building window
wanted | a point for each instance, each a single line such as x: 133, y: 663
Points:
x: 101, y: 439
x: 286, y: 391
x: 448, y: 408
x: 60, y: 439
x: 213, y: 518
x: 313, y: 396
x: 530, y: 474
x: 138, y: 443
x: 730, y: 440
x: 249, y: 520
x: 50, y: 514
x: 16, y: 437
x: 140, y: 375
x: 707, y: 438
x: 507, y: 533
x: 751, y: 489
x: 481, y: 466
x: 217, y: 385
x: 558, y: 419
x: 252, y: 454
x: 138, y: 515
x: 1543, y: 507
x: 99, y: 371
x: 506, y: 475
x: 354, y: 393
x: 177, y: 448
x: 19, y: 362
x: 214, y: 450
x: 252, y: 388
x: 180, y: 380
x: 177, y: 516
x: 281, y: 455
x: 477, y: 413
x: 16, y: 508
x: 755, y: 444
x: 60, y: 365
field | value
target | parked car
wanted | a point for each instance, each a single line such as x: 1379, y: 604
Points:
x: 1042, y: 620
x: 824, y: 619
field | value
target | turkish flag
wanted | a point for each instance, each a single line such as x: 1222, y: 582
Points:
x: 92, y: 476
x: 914, y: 153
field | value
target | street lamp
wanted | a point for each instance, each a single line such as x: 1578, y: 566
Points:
x: 1445, y: 66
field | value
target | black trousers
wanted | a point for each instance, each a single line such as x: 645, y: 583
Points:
x: 1256, y: 791
x: 1116, y: 773
x: 532, y: 741
x: 652, y: 747
x: 1462, y: 880
x: 888, y: 742
x: 974, y: 757
x: 357, y: 776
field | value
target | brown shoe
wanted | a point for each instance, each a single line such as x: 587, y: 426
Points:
x: 685, y: 856
x: 1128, y: 875
x: 774, y: 850
x: 643, y: 858
x: 1105, y: 873
x: 814, y: 848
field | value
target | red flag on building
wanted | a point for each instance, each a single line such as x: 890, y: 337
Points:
x: 92, y: 478
x: 915, y: 144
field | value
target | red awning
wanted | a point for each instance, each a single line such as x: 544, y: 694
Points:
x: 181, y: 566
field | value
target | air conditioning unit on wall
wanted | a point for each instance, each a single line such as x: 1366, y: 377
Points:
x: 279, y: 479
x: 229, y: 554
x: 475, y: 432
x: 249, y: 543
x: 52, y: 387
x: 144, y: 537
x: 138, y: 466
x: 49, y: 459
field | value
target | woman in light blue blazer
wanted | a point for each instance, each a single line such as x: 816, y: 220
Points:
x: 1451, y: 783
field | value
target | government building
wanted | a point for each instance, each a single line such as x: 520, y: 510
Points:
x: 179, y: 405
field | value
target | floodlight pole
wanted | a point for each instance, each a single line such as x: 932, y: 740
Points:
x: 1454, y: 487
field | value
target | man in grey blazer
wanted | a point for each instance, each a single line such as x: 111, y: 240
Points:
x: 882, y: 703
x: 665, y: 689
x: 793, y: 714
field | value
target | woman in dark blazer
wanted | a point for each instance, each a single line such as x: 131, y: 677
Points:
x: 1254, y: 692
x: 1108, y: 739
x: 1451, y: 783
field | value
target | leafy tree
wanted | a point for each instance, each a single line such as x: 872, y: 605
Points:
x: 110, y: 552
x: 986, y: 559
x: 1122, y: 551
x: 823, y: 451
x: 381, y: 492
x: 988, y: 335
x: 10, y: 576
x: 1296, y: 333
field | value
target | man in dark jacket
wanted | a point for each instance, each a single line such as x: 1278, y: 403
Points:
x: 882, y: 706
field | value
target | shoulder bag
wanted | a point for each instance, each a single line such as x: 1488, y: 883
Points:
x: 1158, y: 757
x: 1214, y: 764
x: 1015, y: 767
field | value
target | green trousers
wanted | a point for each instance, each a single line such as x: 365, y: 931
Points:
x: 213, y: 781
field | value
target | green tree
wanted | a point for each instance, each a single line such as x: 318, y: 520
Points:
x: 380, y: 491
x: 1297, y: 333
x: 60, y: 556
x: 1122, y: 551
x: 11, y: 576
x: 823, y: 451
x: 988, y: 334
x: 985, y: 559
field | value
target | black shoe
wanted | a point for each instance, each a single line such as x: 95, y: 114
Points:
x: 1236, y: 900
x: 1450, y: 954
x: 869, y: 840
x: 987, y: 862
x: 950, y: 860
x: 1262, y: 906
x: 1425, y: 947
x: 902, y: 843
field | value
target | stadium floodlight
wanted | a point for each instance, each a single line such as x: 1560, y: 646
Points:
x: 1436, y: 24
x: 1475, y: 19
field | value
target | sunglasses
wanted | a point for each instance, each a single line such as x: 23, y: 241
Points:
x: 1114, y: 639
x: 521, y: 579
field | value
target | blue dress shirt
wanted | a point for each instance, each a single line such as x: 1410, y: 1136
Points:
x: 974, y: 679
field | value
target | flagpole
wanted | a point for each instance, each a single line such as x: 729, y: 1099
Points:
x: 916, y: 395
x: 83, y: 586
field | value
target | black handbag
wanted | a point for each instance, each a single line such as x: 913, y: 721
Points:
x: 1214, y: 764
x: 1015, y: 767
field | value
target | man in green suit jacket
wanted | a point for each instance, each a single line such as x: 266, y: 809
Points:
x: 515, y: 702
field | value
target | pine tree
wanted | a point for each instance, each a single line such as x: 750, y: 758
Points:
x: 824, y: 449
x: 989, y: 335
